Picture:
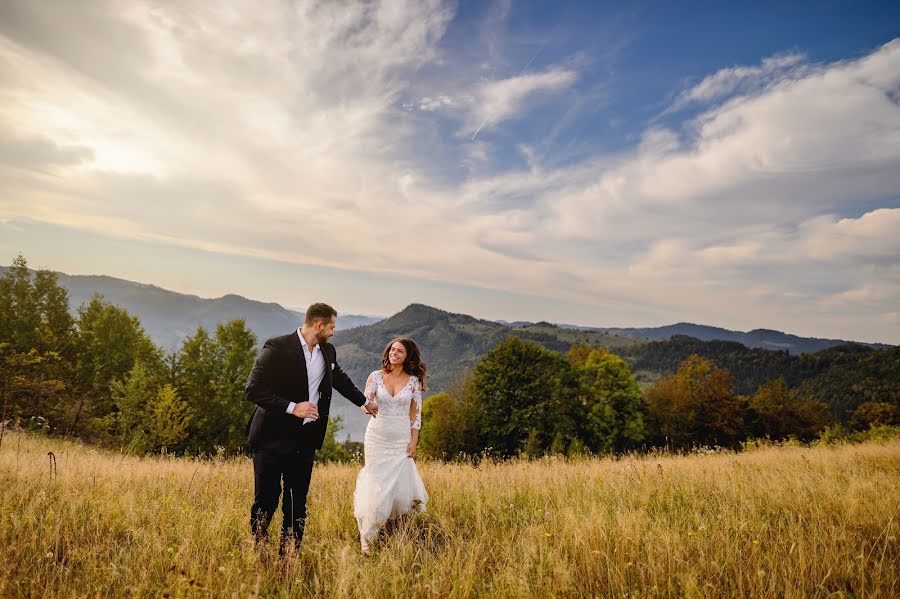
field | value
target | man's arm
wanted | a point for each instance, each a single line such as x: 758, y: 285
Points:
x: 258, y: 389
x: 342, y: 382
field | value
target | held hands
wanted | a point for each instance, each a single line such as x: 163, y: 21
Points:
x: 304, y: 409
x: 370, y: 408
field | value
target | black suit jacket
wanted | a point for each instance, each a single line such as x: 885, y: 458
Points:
x: 278, y: 378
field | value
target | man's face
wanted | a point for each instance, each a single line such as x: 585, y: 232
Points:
x: 325, y: 329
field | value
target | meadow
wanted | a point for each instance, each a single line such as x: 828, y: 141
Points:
x: 780, y: 521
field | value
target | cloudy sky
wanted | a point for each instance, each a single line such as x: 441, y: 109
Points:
x: 572, y: 162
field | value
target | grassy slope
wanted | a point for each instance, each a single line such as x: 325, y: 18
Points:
x: 795, y: 522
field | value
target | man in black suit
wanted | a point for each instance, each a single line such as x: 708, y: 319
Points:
x: 291, y: 385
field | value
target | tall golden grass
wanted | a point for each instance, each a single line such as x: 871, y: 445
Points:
x: 773, y: 522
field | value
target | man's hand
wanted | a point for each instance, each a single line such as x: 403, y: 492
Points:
x: 411, y: 449
x: 304, y: 409
x: 371, y: 408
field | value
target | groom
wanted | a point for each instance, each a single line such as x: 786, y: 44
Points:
x: 291, y: 385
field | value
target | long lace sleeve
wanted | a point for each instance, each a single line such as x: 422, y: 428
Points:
x: 371, y: 385
x: 417, y: 401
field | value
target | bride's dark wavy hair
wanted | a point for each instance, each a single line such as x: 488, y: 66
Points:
x: 413, y: 363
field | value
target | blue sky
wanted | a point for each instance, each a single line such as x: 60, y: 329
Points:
x: 608, y: 164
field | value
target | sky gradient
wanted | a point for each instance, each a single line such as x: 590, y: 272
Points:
x: 570, y: 162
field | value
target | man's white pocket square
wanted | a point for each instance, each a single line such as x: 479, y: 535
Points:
x: 332, y: 365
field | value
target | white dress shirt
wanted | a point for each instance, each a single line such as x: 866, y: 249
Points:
x: 315, y: 372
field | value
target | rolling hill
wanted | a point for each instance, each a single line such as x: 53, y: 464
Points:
x: 757, y: 338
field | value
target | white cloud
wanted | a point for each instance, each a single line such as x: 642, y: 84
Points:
x: 497, y: 101
x: 277, y: 130
x: 434, y: 104
x: 486, y: 104
x: 815, y: 145
x: 289, y: 109
x: 739, y: 78
x: 872, y: 236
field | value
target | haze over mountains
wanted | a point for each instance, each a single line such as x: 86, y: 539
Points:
x: 170, y: 317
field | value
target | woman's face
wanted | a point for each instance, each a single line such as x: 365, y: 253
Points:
x: 397, y: 355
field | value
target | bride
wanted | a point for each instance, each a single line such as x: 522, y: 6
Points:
x: 389, y: 486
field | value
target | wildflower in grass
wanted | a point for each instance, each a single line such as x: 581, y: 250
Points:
x: 512, y: 506
x: 629, y: 564
x: 755, y: 542
x: 548, y: 534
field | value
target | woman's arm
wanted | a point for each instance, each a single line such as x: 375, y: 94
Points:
x: 415, y: 416
x: 413, y: 441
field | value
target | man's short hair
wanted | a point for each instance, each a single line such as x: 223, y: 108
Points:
x: 318, y: 312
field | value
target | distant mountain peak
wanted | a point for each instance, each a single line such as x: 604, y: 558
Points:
x: 419, y: 312
x: 422, y: 308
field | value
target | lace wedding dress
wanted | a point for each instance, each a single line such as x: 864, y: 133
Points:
x: 389, y: 485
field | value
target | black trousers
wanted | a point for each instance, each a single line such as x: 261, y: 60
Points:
x: 269, y: 469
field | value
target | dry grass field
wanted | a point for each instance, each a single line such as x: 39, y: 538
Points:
x: 773, y: 522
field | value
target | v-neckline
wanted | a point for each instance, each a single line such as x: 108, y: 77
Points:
x: 394, y: 395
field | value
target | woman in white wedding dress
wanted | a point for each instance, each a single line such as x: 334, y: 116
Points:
x: 389, y: 486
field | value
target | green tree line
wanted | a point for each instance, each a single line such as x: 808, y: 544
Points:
x: 523, y: 399
x: 97, y: 374
x: 844, y: 377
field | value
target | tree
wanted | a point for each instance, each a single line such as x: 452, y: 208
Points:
x: 110, y: 342
x: 855, y: 374
x: 520, y: 389
x: 235, y: 352
x: 56, y: 328
x: 443, y: 427
x: 696, y: 407
x: 197, y: 373
x: 35, y: 345
x: 578, y: 354
x: 211, y: 374
x: 452, y: 421
x: 874, y: 413
x: 614, y: 418
x: 168, y: 418
x: 133, y: 397
x: 30, y: 386
x: 20, y: 318
x: 777, y: 412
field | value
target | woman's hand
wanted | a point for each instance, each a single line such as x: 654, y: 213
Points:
x: 411, y: 449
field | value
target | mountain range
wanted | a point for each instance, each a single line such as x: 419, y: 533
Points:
x: 453, y: 343
x: 757, y: 338
x: 170, y: 317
